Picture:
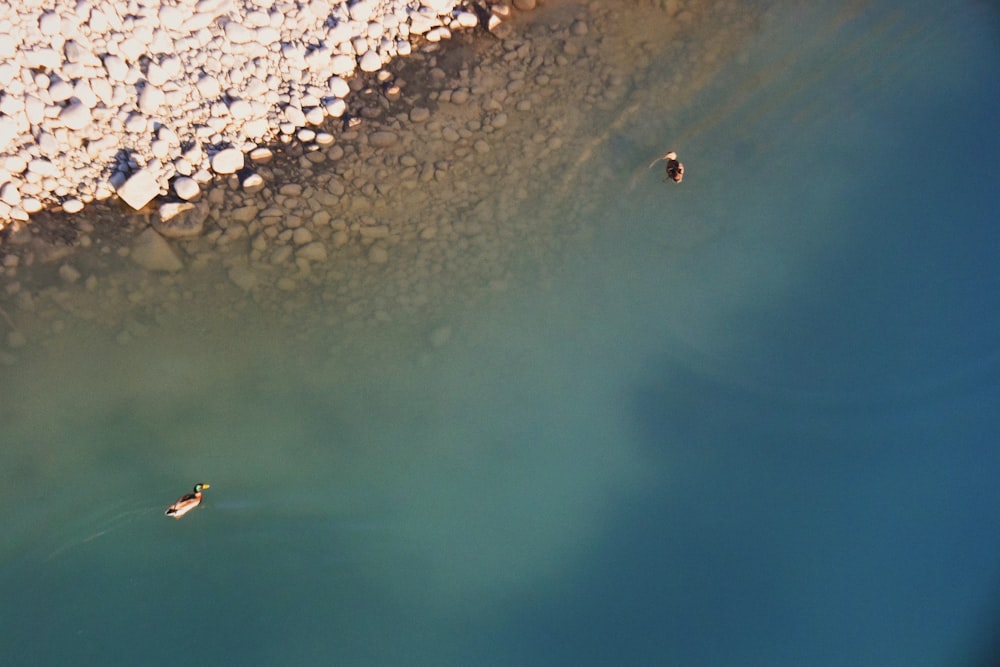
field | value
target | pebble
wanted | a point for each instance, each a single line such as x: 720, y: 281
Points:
x: 370, y: 62
x: 72, y: 205
x: 314, y: 252
x: 68, y: 273
x: 383, y: 139
x: 378, y: 255
x: 227, y: 161
x: 186, y: 188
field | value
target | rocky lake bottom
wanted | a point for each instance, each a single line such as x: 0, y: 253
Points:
x: 473, y: 385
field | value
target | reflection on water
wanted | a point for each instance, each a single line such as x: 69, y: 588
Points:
x: 749, y: 419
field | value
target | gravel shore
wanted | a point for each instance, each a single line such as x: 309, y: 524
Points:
x: 466, y: 169
x: 151, y: 98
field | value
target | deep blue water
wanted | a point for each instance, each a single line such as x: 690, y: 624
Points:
x: 754, y: 422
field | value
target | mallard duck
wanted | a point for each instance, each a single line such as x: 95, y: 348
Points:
x: 186, y: 503
x: 675, y: 170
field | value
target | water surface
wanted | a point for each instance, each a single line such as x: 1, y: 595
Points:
x: 750, y: 419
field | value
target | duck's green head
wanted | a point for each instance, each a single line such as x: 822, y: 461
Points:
x: 198, y: 488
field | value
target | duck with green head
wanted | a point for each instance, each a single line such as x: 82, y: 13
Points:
x: 187, y: 502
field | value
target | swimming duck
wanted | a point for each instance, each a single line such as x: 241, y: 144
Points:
x: 186, y: 503
x: 675, y: 170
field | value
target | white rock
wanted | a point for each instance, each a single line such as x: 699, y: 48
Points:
x: 140, y: 189
x: 267, y: 35
x: 362, y: 10
x: 152, y: 252
x: 237, y: 34
x: 171, y: 18
x: 342, y: 65
x: 8, y: 45
x: 10, y: 195
x: 370, y: 61
x: 116, y: 67
x: 253, y: 182
x: 42, y: 167
x: 43, y: 58
x: 186, y: 188
x: 84, y: 93
x: 72, y: 205
x: 336, y: 107
x: 227, y: 161
x: 466, y: 19
x: 8, y: 130
x: 294, y: 116
x: 31, y: 205
x: 338, y: 87
x: 132, y: 48
x: 172, y: 65
x: 60, y: 91
x: 209, y: 87
x: 151, y: 99
x: 240, y: 109
x: 156, y: 75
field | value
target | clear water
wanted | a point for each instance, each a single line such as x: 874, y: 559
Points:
x: 750, y: 420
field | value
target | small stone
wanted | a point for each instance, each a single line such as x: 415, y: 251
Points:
x: 140, y: 189
x: 186, y: 188
x: 72, y: 205
x: 252, y: 182
x: 524, y: 5
x: 382, y: 139
x: 338, y: 87
x: 209, y: 87
x: 302, y: 236
x: 419, y: 114
x: 151, y: 99
x: 227, y: 161
x: 68, y: 273
x: 370, y: 61
x: 314, y: 252
x: 48, y: 23
x: 378, y: 255
x: 9, y: 194
x: 579, y: 28
x: 116, y: 67
x: 152, y: 252
x: 75, y: 115
x: 261, y: 155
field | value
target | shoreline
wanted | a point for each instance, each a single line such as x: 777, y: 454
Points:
x: 157, y: 103
x: 397, y: 220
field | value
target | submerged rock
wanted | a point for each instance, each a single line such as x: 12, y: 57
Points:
x: 180, y: 220
x: 152, y: 252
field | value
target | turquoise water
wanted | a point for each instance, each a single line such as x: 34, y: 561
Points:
x: 751, y: 419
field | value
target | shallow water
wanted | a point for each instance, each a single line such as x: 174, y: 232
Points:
x: 748, y: 419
